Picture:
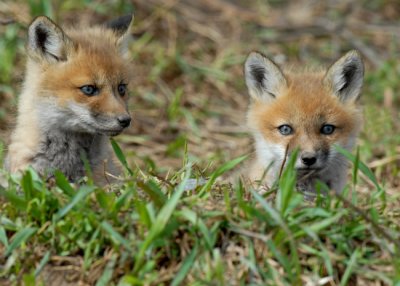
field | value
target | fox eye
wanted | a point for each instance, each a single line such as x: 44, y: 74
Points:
x: 89, y: 90
x: 122, y: 89
x: 285, y: 129
x: 327, y: 129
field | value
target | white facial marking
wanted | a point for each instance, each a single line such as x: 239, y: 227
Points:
x: 269, y: 154
x: 75, y: 117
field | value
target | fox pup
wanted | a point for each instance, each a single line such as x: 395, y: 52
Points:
x: 311, y: 111
x: 73, y: 98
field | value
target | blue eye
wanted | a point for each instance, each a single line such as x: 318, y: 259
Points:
x: 327, y: 129
x: 89, y: 90
x: 122, y: 89
x: 285, y: 129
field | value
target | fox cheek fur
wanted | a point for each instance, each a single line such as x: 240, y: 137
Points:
x: 310, y: 111
x: 74, y: 96
x: 67, y: 67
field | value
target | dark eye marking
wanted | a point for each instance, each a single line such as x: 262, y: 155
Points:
x: 90, y: 90
x: 285, y: 129
x: 327, y: 129
x: 122, y: 89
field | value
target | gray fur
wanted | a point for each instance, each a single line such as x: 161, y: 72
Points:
x: 334, y: 176
x: 67, y: 136
x: 64, y: 150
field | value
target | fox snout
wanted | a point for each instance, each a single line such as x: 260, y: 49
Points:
x: 110, y: 125
x: 308, y: 159
x: 124, y: 120
x: 311, y: 160
x: 113, y: 125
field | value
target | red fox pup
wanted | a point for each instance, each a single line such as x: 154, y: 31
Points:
x: 311, y: 111
x: 73, y: 98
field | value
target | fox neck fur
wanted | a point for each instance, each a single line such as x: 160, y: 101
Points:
x: 65, y: 151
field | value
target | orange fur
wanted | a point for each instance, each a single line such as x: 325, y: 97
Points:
x: 305, y: 102
x: 52, y: 105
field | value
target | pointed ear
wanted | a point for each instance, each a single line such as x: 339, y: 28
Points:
x: 264, y: 79
x: 122, y: 28
x: 345, y: 76
x: 47, y: 41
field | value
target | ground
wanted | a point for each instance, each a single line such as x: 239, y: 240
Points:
x: 188, y: 104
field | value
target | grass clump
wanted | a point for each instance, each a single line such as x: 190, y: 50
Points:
x: 154, y: 233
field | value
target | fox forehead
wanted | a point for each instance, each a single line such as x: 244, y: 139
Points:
x: 95, y: 68
x: 88, y: 68
x: 306, y: 104
x: 94, y: 39
x: 65, y: 80
x: 94, y: 59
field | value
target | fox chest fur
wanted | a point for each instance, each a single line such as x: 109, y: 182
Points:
x: 65, y: 151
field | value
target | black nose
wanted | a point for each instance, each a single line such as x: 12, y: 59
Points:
x: 124, y: 120
x: 308, y: 160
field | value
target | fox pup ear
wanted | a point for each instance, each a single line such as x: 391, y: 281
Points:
x: 122, y: 28
x: 47, y: 40
x: 345, y: 76
x: 263, y: 78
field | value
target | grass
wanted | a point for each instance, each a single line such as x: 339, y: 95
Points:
x: 151, y: 233
x: 188, y: 105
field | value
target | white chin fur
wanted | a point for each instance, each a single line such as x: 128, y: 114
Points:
x: 74, y: 117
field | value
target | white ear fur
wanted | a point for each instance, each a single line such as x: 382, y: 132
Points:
x: 47, y: 40
x: 122, y: 27
x: 264, y: 79
x: 345, y: 76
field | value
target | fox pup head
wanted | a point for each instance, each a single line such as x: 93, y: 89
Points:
x: 81, y: 76
x: 311, y: 111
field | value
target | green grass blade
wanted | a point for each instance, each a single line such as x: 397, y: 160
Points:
x: 3, y: 237
x: 27, y: 185
x: 106, y: 201
x: 105, y: 278
x: 356, y: 167
x: 143, y: 213
x: 63, y: 183
x: 19, y: 238
x: 363, y: 168
x: 275, y: 215
x: 185, y: 267
x: 43, y: 263
x: 287, y: 182
x: 120, y: 155
x: 115, y: 236
x: 17, y: 201
x: 321, y: 224
x: 350, y: 266
x: 122, y: 199
x: 82, y: 193
x: 161, y: 220
x: 154, y: 192
x: 221, y: 170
